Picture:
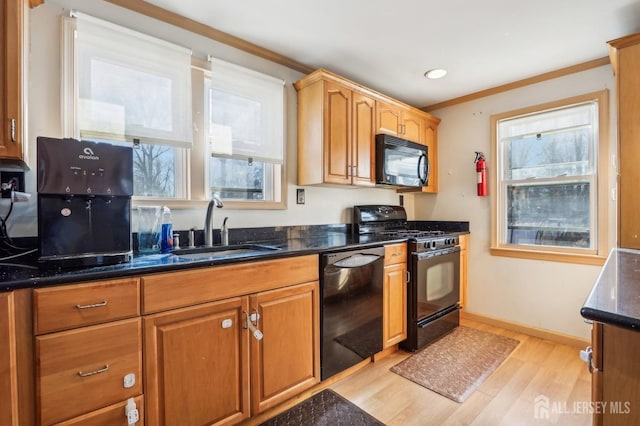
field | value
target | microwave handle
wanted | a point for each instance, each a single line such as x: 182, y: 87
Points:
x: 427, y: 169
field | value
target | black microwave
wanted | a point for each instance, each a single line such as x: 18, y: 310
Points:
x: 400, y: 162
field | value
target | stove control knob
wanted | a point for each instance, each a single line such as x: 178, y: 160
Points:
x: 425, y: 245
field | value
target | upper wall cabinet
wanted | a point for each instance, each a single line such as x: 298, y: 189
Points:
x: 337, y: 123
x: 401, y: 122
x: 625, y: 58
x: 11, y: 39
x: 336, y: 132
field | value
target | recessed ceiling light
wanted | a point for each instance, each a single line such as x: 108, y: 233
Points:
x: 435, y: 73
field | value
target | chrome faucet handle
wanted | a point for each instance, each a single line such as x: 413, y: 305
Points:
x: 224, y: 233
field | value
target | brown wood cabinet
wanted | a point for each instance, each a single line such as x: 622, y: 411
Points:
x: 88, y: 351
x: 625, y: 58
x: 12, y: 14
x: 82, y: 370
x: 394, y: 294
x: 399, y: 121
x: 336, y: 124
x: 615, y: 375
x: 8, y: 368
x: 463, y: 241
x: 204, y: 361
x: 286, y: 361
x: 197, y: 364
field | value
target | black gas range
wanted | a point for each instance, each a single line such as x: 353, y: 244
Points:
x: 434, y: 271
x: 391, y: 221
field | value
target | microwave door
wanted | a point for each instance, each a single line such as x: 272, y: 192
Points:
x: 404, y: 167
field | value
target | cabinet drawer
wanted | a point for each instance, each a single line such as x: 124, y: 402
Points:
x: 82, y: 370
x: 395, y: 253
x: 70, y: 306
x: 113, y: 415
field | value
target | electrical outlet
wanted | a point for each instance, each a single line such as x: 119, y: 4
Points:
x: 300, y: 196
x: 18, y: 182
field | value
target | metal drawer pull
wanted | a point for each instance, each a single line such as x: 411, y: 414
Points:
x: 94, y: 305
x: 93, y: 373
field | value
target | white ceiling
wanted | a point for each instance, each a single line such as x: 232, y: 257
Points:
x: 387, y: 45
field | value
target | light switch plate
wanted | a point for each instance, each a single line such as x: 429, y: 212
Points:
x: 300, y: 196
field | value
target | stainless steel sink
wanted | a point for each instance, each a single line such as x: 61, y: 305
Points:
x: 223, y: 251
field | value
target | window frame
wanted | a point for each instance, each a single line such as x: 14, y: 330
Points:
x: 596, y: 255
x: 192, y: 165
x: 278, y: 187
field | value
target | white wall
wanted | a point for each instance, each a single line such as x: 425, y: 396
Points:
x: 546, y: 295
x: 323, y: 205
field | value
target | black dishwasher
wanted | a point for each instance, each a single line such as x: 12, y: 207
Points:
x: 351, y: 313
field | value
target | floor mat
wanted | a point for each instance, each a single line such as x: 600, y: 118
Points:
x: 325, y: 408
x: 456, y: 365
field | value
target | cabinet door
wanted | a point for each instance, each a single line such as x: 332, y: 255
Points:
x: 388, y: 119
x: 363, y: 141
x: 394, y: 320
x: 82, y: 370
x: 620, y: 376
x: 412, y: 127
x: 287, y: 359
x: 337, y: 134
x: 196, y: 365
x: 11, y: 16
x: 8, y: 373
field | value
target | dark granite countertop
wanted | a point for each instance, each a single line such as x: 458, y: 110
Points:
x: 287, y: 241
x: 615, y: 297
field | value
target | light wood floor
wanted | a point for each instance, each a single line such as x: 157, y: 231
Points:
x: 536, y: 367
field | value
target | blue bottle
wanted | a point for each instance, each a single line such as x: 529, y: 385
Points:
x: 166, y: 233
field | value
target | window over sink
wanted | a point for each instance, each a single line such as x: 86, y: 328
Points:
x: 549, y: 185
x: 188, y: 118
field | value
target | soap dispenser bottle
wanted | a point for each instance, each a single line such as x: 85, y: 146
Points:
x: 166, y: 234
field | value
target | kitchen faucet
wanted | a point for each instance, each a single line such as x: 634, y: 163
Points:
x: 208, y: 220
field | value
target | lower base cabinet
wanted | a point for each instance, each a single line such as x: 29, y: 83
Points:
x: 394, y: 317
x: 615, y: 385
x: 220, y: 362
x: 8, y: 372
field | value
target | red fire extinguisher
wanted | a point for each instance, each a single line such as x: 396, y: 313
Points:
x: 481, y: 171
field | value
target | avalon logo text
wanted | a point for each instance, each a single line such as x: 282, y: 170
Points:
x: 88, y: 155
x: 543, y: 407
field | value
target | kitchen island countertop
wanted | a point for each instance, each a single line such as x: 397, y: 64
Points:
x: 615, y: 297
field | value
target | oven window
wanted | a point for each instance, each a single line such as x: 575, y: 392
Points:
x: 437, y: 287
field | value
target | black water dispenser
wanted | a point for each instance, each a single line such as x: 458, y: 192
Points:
x: 84, y: 202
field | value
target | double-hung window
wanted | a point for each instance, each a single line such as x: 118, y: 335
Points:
x: 245, y: 135
x: 126, y: 87
x: 549, y: 174
x: 123, y: 86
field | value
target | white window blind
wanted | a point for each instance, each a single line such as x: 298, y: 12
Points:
x: 131, y: 85
x: 247, y: 113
